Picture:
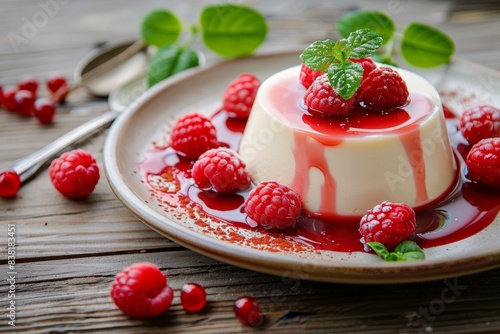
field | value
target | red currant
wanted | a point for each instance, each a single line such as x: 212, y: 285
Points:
x: 10, y: 183
x: 193, y: 297
x: 9, y: 102
x: 29, y: 83
x: 44, y: 111
x: 247, y: 311
x: 24, y: 102
x: 58, y: 87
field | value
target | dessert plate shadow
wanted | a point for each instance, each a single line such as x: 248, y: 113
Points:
x: 149, y: 118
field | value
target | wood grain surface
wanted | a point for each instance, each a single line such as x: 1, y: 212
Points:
x: 69, y: 251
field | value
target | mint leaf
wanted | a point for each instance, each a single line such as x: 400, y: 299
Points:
x: 169, y: 60
x: 342, y: 50
x: 363, y: 43
x: 160, y: 27
x: 319, y: 55
x: 405, y: 251
x: 377, y: 21
x: 232, y: 30
x: 424, y: 46
x: 379, y: 248
x: 345, y: 78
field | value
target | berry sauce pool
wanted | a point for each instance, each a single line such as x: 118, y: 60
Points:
x: 465, y: 211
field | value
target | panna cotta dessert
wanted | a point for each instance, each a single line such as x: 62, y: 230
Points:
x: 342, y: 166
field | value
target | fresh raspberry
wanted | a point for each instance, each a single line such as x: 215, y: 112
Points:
x: 141, y: 291
x: 322, y: 100
x: 58, y: 87
x: 193, y: 134
x: 368, y: 65
x: 483, y: 162
x: 307, y: 75
x: 272, y: 205
x: 74, y: 174
x: 44, y: 110
x: 384, y: 90
x: 29, y: 83
x: 388, y: 223
x: 480, y: 122
x: 9, y: 101
x: 240, y: 94
x: 24, y: 102
x: 222, y: 170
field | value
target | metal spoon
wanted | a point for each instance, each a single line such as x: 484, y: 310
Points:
x: 102, y: 73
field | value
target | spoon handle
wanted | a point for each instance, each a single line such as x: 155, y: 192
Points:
x: 27, y: 166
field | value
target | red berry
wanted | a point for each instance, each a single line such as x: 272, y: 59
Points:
x: 272, y: 205
x: 307, y: 75
x: 58, y: 87
x: 384, y: 90
x: 44, y: 111
x: 74, y: 174
x: 10, y: 182
x: 247, y: 311
x: 29, y: 83
x: 141, y: 291
x: 368, y: 65
x: 480, y: 122
x: 1, y: 96
x: 322, y: 100
x: 193, y: 134
x: 24, y: 102
x: 240, y: 94
x: 193, y: 297
x: 388, y: 223
x: 222, y: 170
x: 483, y: 162
x: 9, y: 101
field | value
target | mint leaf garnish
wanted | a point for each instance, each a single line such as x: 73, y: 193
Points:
x: 425, y: 46
x: 169, y: 60
x: 333, y: 58
x: 160, y: 27
x: 231, y: 30
x: 377, y: 21
x: 405, y: 251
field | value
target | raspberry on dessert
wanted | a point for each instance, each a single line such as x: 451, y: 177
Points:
x: 273, y: 206
x: 307, y: 75
x: 480, y: 122
x: 388, y: 223
x: 24, y: 102
x: 74, y: 174
x: 141, y: 290
x: 368, y: 65
x: 222, y: 170
x: 10, y: 182
x: 384, y: 90
x: 193, y: 134
x: 322, y: 100
x: 44, y: 110
x: 483, y: 162
x: 240, y: 94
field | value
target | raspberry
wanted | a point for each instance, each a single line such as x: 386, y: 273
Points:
x: 307, y: 75
x: 480, y: 122
x: 193, y: 134
x: 44, y: 111
x: 9, y: 101
x: 322, y: 100
x: 141, y: 291
x: 368, y: 65
x: 388, y: 223
x: 24, y: 102
x: 74, y: 174
x: 29, y: 83
x: 483, y: 162
x: 221, y: 170
x: 240, y: 94
x: 384, y: 90
x: 58, y: 87
x: 272, y: 205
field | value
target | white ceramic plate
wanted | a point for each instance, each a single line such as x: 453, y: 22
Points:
x: 148, y: 119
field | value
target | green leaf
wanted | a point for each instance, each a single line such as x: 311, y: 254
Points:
x: 405, y: 251
x: 160, y: 27
x: 363, y: 43
x: 232, y: 30
x: 378, y: 248
x: 342, y: 50
x: 169, y: 60
x: 376, y: 21
x: 345, y: 78
x: 319, y: 55
x: 425, y: 46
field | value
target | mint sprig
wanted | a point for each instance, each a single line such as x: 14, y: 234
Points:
x: 228, y: 30
x: 333, y: 58
x: 420, y: 45
x: 405, y: 251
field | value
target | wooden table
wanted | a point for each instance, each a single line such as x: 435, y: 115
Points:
x: 69, y: 251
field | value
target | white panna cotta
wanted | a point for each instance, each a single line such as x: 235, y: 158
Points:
x: 343, y: 166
